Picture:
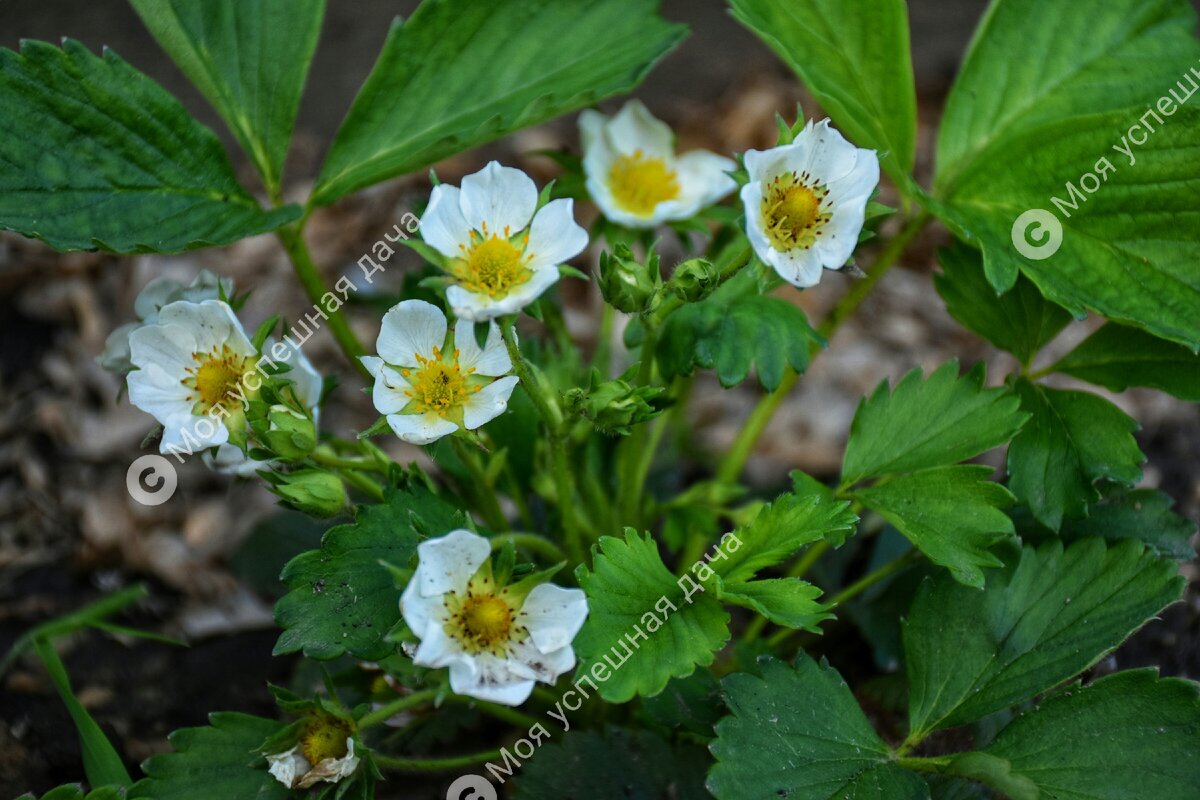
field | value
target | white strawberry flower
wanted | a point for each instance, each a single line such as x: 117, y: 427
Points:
x: 501, y: 250
x: 806, y: 202
x: 429, y: 386
x: 634, y: 175
x: 496, y: 640
x: 301, y: 767
x: 191, y: 366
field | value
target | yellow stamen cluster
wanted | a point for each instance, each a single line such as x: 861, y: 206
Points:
x: 494, y: 264
x: 324, y: 737
x: 638, y: 183
x: 437, y: 384
x: 216, y: 379
x: 791, y: 210
x: 483, y: 621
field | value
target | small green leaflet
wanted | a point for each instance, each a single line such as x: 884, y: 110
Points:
x: 1117, y: 357
x: 952, y: 514
x: 460, y: 73
x: 1046, y: 617
x: 942, y: 419
x: 1142, y: 514
x: 249, y: 58
x: 1020, y: 320
x: 734, y: 329
x: 218, y: 761
x: 855, y: 59
x: 74, y: 791
x: 341, y: 599
x: 1073, y: 440
x: 628, y: 581
x: 790, y: 602
x: 98, y: 156
x: 799, y: 733
x: 1046, y: 91
x: 1128, y: 735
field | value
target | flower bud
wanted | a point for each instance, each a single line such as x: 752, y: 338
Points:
x: 312, y: 491
x: 290, y: 435
x: 694, y: 280
x: 613, y: 407
x: 626, y: 284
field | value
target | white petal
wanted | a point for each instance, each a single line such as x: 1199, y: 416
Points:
x: 502, y: 199
x: 447, y: 563
x: 479, y: 307
x: 192, y: 434
x: 159, y: 393
x: 856, y: 186
x: 230, y: 460
x: 488, y: 403
x: 437, y: 649
x: 492, y: 360
x: 543, y: 666
x: 491, y: 680
x: 830, y: 156
x: 635, y: 128
x: 704, y: 177
x: 154, y: 295
x: 170, y: 347
x: 751, y: 196
x: 801, y: 268
x: 388, y: 393
x: 553, y: 615
x: 420, y: 428
x: 286, y: 767
x: 409, y: 328
x: 115, y: 357
x: 422, y: 614
x: 211, y: 322
x: 306, y: 381
x: 372, y: 363
x: 443, y: 227
x: 554, y: 236
x: 591, y: 129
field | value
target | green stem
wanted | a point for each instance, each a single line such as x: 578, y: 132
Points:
x: 636, y: 452
x: 310, y: 278
x: 549, y: 414
x: 434, y: 764
x: 362, y: 483
x: 326, y: 458
x: 566, y: 499
x: 503, y: 713
x: 386, y: 712
x: 532, y: 542
x: 485, y: 495
x: 735, y: 460
x: 934, y: 764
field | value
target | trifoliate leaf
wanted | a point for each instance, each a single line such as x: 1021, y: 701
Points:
x: 1043, y: 619
x: 471, y: 72
x: 1047, y: 92
x: 220, y: 760
x: 341, y: 599
x: 1072, y: 440
x: 617, y: 763
x: 799, y: 733
x: 790, y: 602
x: 1127, y: 735
x: 1020, y: 320
x: 1117, y: 357
x: 854, y: 57
x: 734, y: 329
x: 929, y: 422
x: 801, y: 517
x: 952, y: 514
x: 249, y: 58
x: 1142, y: 514
x: 627, y: 582
x: 96, y: 155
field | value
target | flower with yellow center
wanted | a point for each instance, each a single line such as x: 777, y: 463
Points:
x: 325, y: 753
x: 634, y: 175
x: 501, y: 250
x: 806, y: 202
x: 428, y: 385
x: 496, y: 640
x: 190, y: 370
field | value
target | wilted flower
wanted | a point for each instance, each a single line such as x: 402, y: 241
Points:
x: 634, y: 175
x: 806, y: 202
x: 501, y: 250
x: 497, y: 641
x: 325, y: 752
x: 428, y: 385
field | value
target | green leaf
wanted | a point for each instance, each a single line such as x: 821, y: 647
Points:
x: 1128, y: 735
x: 801, y: 517
x: 1045, y: 92
x: 733, y: 329
x: 1043, y: 619
x: 1020, y: 321
x: 617, y: 763
x: 220, y: 760
x: 341, y: 599
x: 249, y: 58
x: 928, y: 423
x: 854, y: 58
x: 458, y: 74
x: 799, y: 733
x: 691, y: 704
x: 627, y: 581
x: 74, y: 791
x: 1117, y: 357
x: 1072, y: 440
x: 952, y: 514
x: 790, y: 602
x: 95, y: 155
x: 1142, y: 514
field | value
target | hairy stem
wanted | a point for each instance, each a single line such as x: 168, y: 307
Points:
x: 434, y: 764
